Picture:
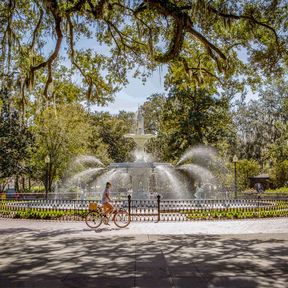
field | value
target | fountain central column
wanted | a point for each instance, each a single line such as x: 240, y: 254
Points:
x: 140, y: 173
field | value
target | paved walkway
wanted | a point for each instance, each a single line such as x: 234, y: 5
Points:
x: 246, y: 254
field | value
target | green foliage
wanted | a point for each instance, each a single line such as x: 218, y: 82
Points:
x: 37, y: 189
x: 15, y: 140
x: 185, y: 119
x: 262, y: 124
x: 61, y: 134
x: 279, y: 210
x: 279, y: 173
x: 281, y: 190
x: 200, y: 40
x: 245, y: 169
x: 153, y: 109
x: 107, y: 141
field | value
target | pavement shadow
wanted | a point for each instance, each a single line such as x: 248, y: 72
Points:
x: 64, y: 258
x: 224, y: 261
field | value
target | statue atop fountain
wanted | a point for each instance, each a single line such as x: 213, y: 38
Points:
x: 139, y: 136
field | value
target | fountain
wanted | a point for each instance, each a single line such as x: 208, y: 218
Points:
x: 145, y: 178
x: 142, y: 171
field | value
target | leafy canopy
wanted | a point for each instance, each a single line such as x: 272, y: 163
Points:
x: 15, y: 140
x: 199, y: 39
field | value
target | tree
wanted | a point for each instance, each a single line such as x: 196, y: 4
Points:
x: 15, y: 141
x: 108, y: 136
x: 280, y: 174
x: 60, y: 134
x: 261, y: 123
x: 200, y: 40
x: 245, y: 169
x: 278, y: 155
x: 152, y: 109
x: 189, y: 118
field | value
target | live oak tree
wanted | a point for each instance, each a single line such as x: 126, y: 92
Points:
x: 16, y: 142
x: 261, y: 122
x: 200, y: 40
x: 262, y: 131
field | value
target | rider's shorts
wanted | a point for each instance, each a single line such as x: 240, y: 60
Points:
x: 107, y: 206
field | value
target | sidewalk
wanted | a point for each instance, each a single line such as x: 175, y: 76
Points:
x: 55, y: 254
x: 276, y: 225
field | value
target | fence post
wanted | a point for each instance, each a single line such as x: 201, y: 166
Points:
x: 74, y: 207
x: 129, y: 205
x: 158, y: 207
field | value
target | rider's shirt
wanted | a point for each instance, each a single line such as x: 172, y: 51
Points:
x: 105, y: 196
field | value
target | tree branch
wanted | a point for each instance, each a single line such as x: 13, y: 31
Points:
x: 247, y: 17
x: 175, y: 43
x: 76, y: 7
x: 71, y: 41
x: 53, y: 7
x: 98, y: 9
x: 36, y: 30
x: 183, y: 24
x: 187, y: 69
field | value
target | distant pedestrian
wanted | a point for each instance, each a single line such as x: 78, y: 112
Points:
x: 259, y: 188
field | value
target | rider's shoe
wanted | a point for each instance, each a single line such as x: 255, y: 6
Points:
x: 106, y: 220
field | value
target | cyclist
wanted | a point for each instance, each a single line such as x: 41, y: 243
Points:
x: 106, y: 200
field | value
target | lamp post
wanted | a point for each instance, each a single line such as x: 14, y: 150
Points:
x: 47, y: 162
x: 235, y: 160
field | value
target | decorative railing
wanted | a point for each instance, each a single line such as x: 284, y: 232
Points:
x: 149, y: 210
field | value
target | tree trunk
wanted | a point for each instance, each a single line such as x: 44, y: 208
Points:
x: 23, y: 183
x: 16, y: 185
x: 29, y: 184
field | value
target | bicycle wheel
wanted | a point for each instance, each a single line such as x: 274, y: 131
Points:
x: 122, y: 219
x: 93, y: 219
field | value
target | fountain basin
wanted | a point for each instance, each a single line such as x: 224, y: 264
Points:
x: 139, y: 164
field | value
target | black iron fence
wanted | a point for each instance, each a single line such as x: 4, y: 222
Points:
x: 149, y: 210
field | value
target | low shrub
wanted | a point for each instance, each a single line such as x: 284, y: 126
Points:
x: 280, y: 190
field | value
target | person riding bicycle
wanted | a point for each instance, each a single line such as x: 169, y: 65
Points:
x: 107, y: 206
x: 98, y: 215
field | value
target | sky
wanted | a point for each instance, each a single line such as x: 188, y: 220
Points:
x: 135, y: 93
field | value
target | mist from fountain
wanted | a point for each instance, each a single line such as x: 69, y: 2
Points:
x: 87, y: 159
x: 176, y: 186
x: 142, y: 156
x: 86, y: 174
x: 199, y: 162
x: 114, y: 176
x: 75, y: 185
x: 202, y: 174
x: 198, y: 153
